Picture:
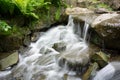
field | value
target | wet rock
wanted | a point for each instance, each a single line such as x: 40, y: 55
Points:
x: 39, y: 76
x: 101, y: 58
x: 19, y: 72
x: 65, y: 76
x: 90, y: 72
x: 82, y: 14
x: 9, y: 43
x: 47, y: 50
x: 45, y: 60
x: 78, y: 11
x: 59, y: 46
x: 35, y: 36
x: 108, y: 27
x: 74, y: 61
x: 24, y: 50
x: 5, y: 75
x: 9, y: 61
x: 26, y: 41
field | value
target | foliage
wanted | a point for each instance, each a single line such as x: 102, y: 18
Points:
x: 4, y: 26
x: 103, y: 5
x: 32, y: 9
x: 6, y: 6
x: 57, y: 14
x: 26, y: 7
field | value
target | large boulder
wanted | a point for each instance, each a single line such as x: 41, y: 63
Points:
x: 82, y: 14
x: 9, y: 43
x: 108, y: 27
x: 74, y: 61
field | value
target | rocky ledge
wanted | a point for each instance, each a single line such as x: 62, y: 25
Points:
x: 106, y: 25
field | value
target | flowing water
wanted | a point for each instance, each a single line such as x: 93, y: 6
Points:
x: 109, y: 72
x: 41, y: 61
x: 50, y: 57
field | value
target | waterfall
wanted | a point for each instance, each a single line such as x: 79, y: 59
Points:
x: 85, y: 30
x: 41, y: 61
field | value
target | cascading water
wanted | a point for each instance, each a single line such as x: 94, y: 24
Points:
x: 109, y: 72
x: 41, y: 61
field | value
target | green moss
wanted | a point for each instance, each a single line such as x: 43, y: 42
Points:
x: 103, y: 5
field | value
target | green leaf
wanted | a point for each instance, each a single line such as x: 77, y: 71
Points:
x: 57, y: 14
x: 4, y: 26
x: 22, y: 5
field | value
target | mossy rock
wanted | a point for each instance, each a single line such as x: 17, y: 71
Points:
x: 101, y: 58
x: 91, y: 71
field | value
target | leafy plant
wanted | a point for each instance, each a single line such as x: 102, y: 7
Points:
x: 6, y: 6
x: 103, y: 5
x: 4, y: 26
x: 57, y: 14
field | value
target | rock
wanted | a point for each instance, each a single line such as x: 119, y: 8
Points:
x: 83, y: 3
x: 59, y: 46
x: 82, y: 14
x: 71, y: 2
x: 9, y: 61
x: 101, y: 58
x: 26, y: 41
x: 35, y: 36
x: 115, y: 4
x: 9, y: 43
x: 108, y: 27
x: 103, y: 18
x: 47, y: 50
x: 101, y: 10
x: 91, y: 71
x: 90, y: 4
x: 74, y: 61
x: 45, y: 60
x: 19, y: 71
x: 78, y: 11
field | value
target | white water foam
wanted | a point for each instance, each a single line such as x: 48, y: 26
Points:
x: 109, y: 72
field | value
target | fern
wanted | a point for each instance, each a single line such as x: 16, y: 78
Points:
x: 4, y: 26
x: 57, y: 14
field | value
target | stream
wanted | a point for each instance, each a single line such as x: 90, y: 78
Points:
x: 52, y: 56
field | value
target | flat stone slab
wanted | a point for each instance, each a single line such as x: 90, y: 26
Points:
x: 9, y: 60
